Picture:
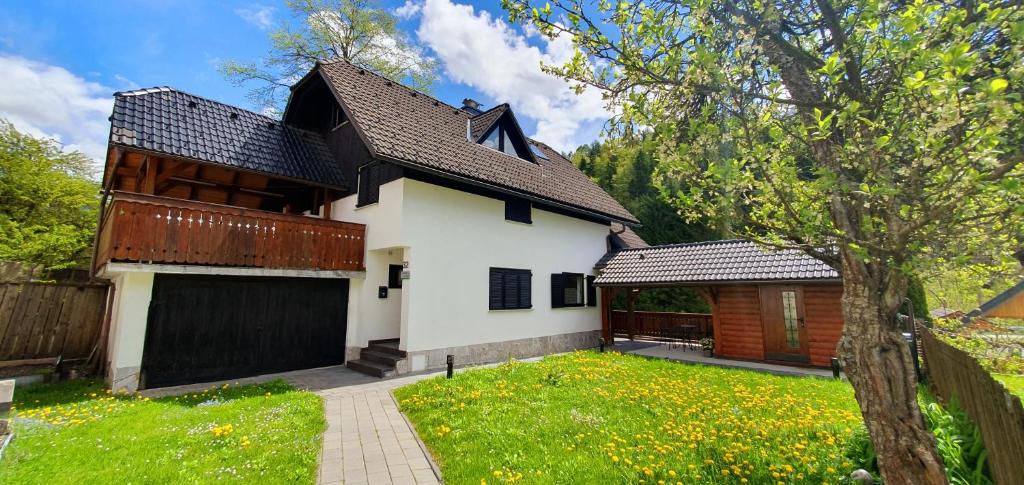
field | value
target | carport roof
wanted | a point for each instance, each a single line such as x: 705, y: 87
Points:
x: 712, y: 262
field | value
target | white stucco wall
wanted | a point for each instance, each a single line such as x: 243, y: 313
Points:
x: 456, y: 237
x: 132, y: 293
x: 451, y: 239
x: 370, y: 317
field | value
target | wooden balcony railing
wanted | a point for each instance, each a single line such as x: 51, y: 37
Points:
x: 663, y: 325
x: 149, y: 229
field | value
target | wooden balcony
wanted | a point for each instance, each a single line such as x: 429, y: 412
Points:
x: 149, y: 229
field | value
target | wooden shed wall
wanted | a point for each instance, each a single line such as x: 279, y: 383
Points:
x: 824, y: 316
x: 1012, y: 308
x: 740, y: 333
x: 738, y: 323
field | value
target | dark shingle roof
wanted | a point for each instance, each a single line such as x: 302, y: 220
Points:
x: 481, y: 122
x: 402, y: 124
x: 165, y: 120
x: 620, y: 237
x: 711, y: 262
x: 625, y: 237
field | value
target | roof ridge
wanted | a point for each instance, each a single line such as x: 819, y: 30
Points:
x: 168, y: 89
x: 393, y: 82
x: 695, y: 243
x: 495, y: 108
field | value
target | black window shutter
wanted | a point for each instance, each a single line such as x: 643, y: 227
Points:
x: 510, y: 284
x: 518, y: 210
x: 591, y: 292
x: 557, y: 291
x: 525, y: 298
x: 495, y: 299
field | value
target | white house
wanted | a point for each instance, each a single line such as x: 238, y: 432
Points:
x: 374, y: 225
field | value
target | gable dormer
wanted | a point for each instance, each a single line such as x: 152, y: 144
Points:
x: 498, y: 129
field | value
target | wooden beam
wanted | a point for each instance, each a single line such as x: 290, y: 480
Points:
x: 234, y: 189
x: 630, y: 315
x: 115, y: 168
x: 606, y: 316
x: 327, y: 204
x: 176, y: 168
x: 152, y: 166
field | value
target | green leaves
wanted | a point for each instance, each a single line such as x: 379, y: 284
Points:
x: 900, y: 137
x: 49, y: 202
x: 997, y: 85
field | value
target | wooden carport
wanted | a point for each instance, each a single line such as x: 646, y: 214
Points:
x: 774, y: 305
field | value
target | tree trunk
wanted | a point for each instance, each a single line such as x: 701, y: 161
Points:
x: 879, y: 364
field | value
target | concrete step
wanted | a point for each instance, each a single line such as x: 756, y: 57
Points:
x: 386, y: 358
x: 387, y: 348
x: 374, y: 369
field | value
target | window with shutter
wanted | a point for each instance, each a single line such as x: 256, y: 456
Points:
x: 509, y: 289
x: 572, y: 284
x: 591, y: 292
x: 567, y: 290
x: 371, y: 177
x: 518, y: 210
x: 557, y: 291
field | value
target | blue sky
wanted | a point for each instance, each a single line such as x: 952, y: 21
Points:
x: 61, y: 60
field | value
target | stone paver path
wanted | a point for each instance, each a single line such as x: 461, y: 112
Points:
x: 367, y: 441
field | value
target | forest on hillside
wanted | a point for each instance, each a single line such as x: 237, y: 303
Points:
x: 627, y: 169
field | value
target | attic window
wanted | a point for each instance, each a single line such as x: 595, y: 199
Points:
x: 537, y: 152
x: 499, y: 139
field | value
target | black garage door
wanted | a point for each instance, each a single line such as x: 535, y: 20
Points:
x: 207, y: 328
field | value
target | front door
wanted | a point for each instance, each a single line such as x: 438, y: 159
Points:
x: 782, y: 314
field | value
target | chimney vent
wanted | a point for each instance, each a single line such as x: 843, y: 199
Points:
x: 471, y: 106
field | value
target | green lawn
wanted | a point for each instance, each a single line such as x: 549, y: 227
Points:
x: 78, y: 433
x: 1013, y: 383
x: 589, y: 417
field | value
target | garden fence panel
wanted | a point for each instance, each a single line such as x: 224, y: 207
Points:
x: 957, y: 376
x: 44, y: 320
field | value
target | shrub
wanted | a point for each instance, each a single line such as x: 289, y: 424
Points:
x: 959, y: 442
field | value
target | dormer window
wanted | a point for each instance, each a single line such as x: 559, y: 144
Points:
x: 504, y: 141
x: 497, y: 129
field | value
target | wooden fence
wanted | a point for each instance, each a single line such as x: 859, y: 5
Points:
x: 41, y: 320
x: 663, y: 325
x: 957, y: 376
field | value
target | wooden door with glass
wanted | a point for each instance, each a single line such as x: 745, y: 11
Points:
x: 785, y: 329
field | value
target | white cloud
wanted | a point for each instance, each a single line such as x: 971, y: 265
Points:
x: 45, y: 100
x: 126, y: 84
x: 409, y: 9
x: 261, y: 16
x: 486, y: 53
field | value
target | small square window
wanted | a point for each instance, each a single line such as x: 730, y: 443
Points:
x: 573, y: 288
x: 567, y: 290
x: 518, y: 210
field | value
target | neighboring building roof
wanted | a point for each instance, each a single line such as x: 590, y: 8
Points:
x: 164, y: 120
x: 997, y: 301
x: 730, y: 261
x: 946, y: 313
x: 403, y: 125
